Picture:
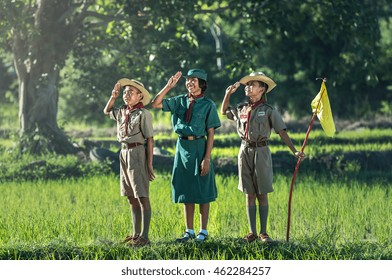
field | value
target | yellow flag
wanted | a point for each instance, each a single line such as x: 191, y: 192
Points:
x: 323, y: 110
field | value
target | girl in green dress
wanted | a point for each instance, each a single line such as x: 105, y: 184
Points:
x: 194, y: 119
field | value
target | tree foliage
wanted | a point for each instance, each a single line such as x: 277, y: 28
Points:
x: 96, y: 42
x: 292, y: 41
x: 40, y: 36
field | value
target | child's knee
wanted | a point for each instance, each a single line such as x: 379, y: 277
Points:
x: 263, y: 199
x: 251, y: 198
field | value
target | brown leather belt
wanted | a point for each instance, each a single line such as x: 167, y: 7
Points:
x: 252, y: 144
x: 130, y: 145
x: 191, y: 137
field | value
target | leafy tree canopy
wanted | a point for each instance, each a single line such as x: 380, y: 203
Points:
x: 96, y: 42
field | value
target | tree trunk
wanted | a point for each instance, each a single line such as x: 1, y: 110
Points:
x: 38, y: 58
x: 38, y: 103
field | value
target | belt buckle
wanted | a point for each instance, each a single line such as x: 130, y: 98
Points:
x: 191, y: 137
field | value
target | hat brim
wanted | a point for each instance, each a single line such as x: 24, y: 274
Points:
x: 271, y: 84
x: 128, y: 82
x: 196, y: 76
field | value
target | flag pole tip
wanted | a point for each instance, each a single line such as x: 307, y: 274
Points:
x: 324, y: 79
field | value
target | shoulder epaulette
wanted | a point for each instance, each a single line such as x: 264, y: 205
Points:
x: 269, y: 105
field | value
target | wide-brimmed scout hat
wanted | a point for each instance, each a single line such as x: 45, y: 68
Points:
x: 131, y: 82
x: 196, y: 73
x: 259, y: 76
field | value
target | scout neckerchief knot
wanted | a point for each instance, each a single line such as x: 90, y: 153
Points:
x: 251, y: 106
x: 192, y: 98
x: 128, y: 112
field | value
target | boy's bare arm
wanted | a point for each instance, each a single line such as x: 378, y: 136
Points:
x: 150, y: 148
x: 112, y: 99
x: 226, y: 100
x: 286, y: 139
x: 171, y: 83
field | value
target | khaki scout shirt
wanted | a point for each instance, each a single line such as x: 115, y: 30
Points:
x: 139, y: 124
x: 263, y: 119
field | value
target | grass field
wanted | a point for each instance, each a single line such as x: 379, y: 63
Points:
x: 332, y: 218
x: 59, y: 207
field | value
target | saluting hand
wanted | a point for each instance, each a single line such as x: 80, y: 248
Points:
x: 231, y: 89
x: 174, y: 79
x: 116, y: 90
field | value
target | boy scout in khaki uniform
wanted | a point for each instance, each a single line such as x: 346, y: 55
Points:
x: 135, y: 133
x: 255, y: 120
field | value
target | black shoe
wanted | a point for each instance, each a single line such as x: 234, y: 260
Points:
x: 187, y: 236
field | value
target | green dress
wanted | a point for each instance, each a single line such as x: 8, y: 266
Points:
x: 187, y: 184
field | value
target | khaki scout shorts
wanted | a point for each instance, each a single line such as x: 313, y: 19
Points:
x: 255, y: 170
x: 134, y: 172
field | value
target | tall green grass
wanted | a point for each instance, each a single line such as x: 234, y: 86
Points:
x: 86, y: 218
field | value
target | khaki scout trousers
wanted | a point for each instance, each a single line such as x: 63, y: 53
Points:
x: 134, y: 172
x: 255, y: 170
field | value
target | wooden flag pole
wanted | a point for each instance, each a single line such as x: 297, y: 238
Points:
x: 299, y: 163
